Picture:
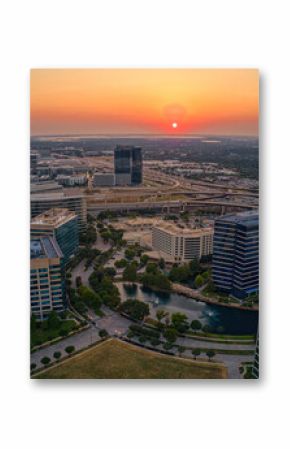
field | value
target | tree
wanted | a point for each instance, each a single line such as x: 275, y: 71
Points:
x: 155, y: 341
x: 196, y: 352
x: 167, y: 346
x: 53, y: 321
x: 69, y: 349
x: 121, y: 263
x: 179, y: 322
x: 103, y: 333
x: 194, y: 266
x: 45, y: 360
x: 161, y: 263
x: 170, y: 335
x: 160, y: 314
x: 57, y: 355
x: 180, y: 274
x: 198, y: 281
x: 210, y: 353
x: 78, y: 281
x: 181, y: 350
x: 196, y: 325
x: 129, y: 253
x: 151, y: 268
x: 135, y: 309
x: 144, y: 259
x: 130, y: 273
x: 110, y: 271
x: 33, y: 323
x: 32, y: 366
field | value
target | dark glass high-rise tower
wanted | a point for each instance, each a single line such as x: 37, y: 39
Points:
x: 128, y: 165
x: 235, y: 263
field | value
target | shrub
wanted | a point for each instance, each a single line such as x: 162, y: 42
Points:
x: 103, y: 333
x: 142, y: 338
x: 57, y: 355
x: 170, y: 335
x: 167, y: 345
x: 32, y: 366
x: 45, y: 360
x: 150, y: 333
x: 70, y: 349
x: 155, y: 342
x: 63, y: 332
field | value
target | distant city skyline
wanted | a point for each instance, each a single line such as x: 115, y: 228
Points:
x: 144, y: 101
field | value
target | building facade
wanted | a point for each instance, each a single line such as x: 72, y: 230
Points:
x: 182, y: 244
x: 47, y: 282
x: 103, y: 179
x: 60, y: 224
x: 75, y: 203
x: 128, y: 165
x: 235, y: 266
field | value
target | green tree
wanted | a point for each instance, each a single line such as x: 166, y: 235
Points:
x: 198, y: 281
x: 179, y: 322
x: 196, y: 352
x: 69, y: 349
x: 57, y: 355
x: 160, y: 314
x: 53, y: 321
x: 151, y: 268
x: 32, y: 366
x: 196, y: 325
x: 144, y: 259
x: 103, y: 333
x: 121, y: 263
x: 194, y: 266
x: 170, y: 335
x: 181, y: 350
x: 161, y: 263
x: 210, y: 353
x: 135, y: 309
x: 129, y: 253
x: 130, y: 273
x: 45, y: 360
x: 33, y: 323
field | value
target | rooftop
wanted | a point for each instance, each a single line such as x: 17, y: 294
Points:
x: 44, y: 248
x: 173, y: 229
x: 248, y: 217
x: 53, y: 217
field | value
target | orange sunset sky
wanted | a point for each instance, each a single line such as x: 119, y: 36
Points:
x: 144, y: 101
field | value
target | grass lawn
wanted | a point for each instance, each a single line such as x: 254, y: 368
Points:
x: 115, y: 359
x: 42, y: 334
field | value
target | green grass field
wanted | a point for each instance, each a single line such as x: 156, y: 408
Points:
x: 114, y: 359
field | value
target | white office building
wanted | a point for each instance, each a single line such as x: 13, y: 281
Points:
x: 182, y: 244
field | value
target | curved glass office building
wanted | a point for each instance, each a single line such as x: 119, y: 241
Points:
x: 235, y: 265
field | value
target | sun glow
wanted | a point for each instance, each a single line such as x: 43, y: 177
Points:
x: 174, y: 125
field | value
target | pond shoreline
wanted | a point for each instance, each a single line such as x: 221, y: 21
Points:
x: 192, y: 294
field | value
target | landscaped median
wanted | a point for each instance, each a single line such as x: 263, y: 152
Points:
x: 115, y: 359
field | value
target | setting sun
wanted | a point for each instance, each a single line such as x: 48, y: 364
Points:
x: 174, y: 125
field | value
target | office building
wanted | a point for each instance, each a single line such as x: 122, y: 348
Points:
x: 33, y: 163
x: 75, y: 203
x: 103, y: 179
x: 61, y: 224
x: 235, y: 267
x: 47, y: 282
x: 182, y: 244
x: 128, y: 165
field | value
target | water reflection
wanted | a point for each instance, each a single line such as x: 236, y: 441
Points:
x: 221, y: 319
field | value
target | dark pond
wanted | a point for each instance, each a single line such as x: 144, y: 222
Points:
x: 224, y: 319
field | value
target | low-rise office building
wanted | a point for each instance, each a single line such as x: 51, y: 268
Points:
x: 76, y: 203
x: 61, y: 224
x: 103, y: 179
x: 47, y: 282
x: 182, y: 244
